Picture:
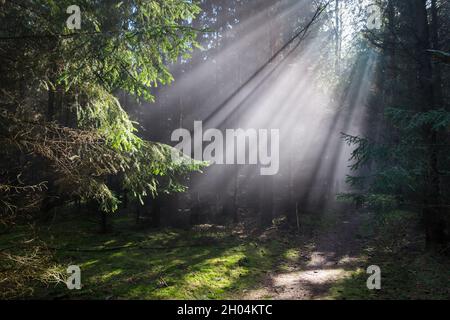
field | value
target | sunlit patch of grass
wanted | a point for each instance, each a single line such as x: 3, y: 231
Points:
x: 165, y: 264
x: 110, y: 275
x: 351, y: 288
x: 289, y: 258
x: 291, y: 255
x: 88, y: 264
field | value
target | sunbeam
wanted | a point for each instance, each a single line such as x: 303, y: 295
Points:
x: 224, y: 150
x: 285, y: 94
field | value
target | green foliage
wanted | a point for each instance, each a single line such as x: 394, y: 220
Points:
x: 162, y: 165
x: 408, y: 120
x: 164, y: 264
x: 440, y: 55
x: 398, y: 165
x: 104, y: 113
x: 127, y: 45
x: 377, y: 202
x: 397, y: 248
x: 124, y: 47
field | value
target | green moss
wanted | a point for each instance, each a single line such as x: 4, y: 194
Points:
x: 407, y: 271
x: 177, y: 264
x: 166, y: 264
x: 291, y: 255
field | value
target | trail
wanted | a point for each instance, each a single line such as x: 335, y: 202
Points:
x: 332, y: 257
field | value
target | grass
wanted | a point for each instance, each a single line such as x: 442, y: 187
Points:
x: 139, y: 264
x: 213, y: 263
x: 407, y: 277
x: 407, y: 270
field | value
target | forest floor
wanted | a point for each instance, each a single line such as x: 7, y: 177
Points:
x: 311, y: 270
x: 326, y: 260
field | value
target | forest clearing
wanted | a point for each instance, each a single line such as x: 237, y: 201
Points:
x: 327, y: 261
x: 210, y: 150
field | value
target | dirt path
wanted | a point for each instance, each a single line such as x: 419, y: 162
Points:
x: 332, y: 257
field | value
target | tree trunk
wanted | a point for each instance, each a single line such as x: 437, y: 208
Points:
x: 103, y: 222
x: 156, y: 213
x: 338, y: 43
x: 437, y: 74
x: 138, y: 212
x: 432, y: 210
x: 266, y: 209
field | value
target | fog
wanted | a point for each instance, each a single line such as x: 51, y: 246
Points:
x: 270, y: 65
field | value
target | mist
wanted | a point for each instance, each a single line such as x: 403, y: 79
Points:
x: 265, y: 68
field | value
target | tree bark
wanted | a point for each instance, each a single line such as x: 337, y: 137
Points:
x: 103, y: 222
x: 432, y: 209
x: 338, y: 43
x: 266, y: 209
x: 156, y: 213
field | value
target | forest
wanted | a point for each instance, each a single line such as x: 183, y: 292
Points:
x: 224, y: 150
